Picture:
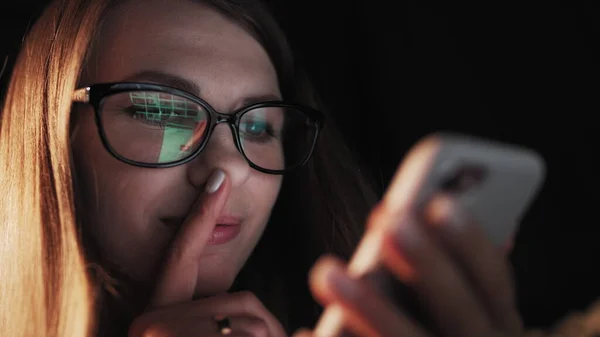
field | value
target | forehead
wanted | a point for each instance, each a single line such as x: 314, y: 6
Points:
x: 182, y: 38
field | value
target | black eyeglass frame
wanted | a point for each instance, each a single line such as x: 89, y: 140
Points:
x: 95, y: 94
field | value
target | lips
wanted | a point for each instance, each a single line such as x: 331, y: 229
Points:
x: 228, y: 220
x: 226, y: 229
x: 224, y: 233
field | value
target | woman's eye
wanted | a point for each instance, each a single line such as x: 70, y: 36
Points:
x: 255, y: 128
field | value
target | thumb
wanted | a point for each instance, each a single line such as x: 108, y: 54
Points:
x: 176, y: 281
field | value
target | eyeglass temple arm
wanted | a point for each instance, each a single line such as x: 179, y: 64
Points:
x: 82, y: 95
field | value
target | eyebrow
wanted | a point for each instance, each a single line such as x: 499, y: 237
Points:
x: 159, y: 77
x: 188, y: 86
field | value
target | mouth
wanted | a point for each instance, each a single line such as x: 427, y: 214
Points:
x: 227, y: 228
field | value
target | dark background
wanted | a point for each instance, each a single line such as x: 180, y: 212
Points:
x: 516, y: 71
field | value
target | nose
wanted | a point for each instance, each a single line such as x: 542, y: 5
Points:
x: 219, y: 153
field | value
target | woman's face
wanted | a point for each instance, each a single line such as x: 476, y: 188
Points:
x: 130, y: 210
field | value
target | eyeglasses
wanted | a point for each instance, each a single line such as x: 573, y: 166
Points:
x: 157, y: 126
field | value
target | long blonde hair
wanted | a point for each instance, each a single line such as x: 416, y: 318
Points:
x: 44, y: 287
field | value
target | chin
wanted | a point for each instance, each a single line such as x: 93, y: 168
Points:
x: 208, y: 290
x: 214, y: 281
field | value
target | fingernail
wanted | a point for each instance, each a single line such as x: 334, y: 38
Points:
x: 215, y: 181
x: 409, y: 234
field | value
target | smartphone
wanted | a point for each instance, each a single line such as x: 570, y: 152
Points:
x: 494, y: 182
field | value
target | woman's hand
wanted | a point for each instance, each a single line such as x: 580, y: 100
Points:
x: 461, y: 279
x: 172, y: 310
x: 247, y: 317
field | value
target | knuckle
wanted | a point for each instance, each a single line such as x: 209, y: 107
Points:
x: 248, y: 299
x: 258, y: 328
x: 250, y: 303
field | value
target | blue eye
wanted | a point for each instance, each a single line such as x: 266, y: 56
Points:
x: 254, y: 128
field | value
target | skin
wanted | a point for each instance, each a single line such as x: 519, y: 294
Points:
x: 125, y: 205
x: 462, y: 279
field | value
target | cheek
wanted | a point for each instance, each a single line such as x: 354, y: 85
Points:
x: 265, y: 189
x: 123, y: 222
x: 118, y: 202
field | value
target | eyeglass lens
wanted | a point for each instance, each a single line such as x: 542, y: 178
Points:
x: 158, y: 128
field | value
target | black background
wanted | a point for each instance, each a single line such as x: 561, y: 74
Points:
x: 516, y: 71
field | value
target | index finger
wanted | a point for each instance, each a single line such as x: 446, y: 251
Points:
x: 176, y: 282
